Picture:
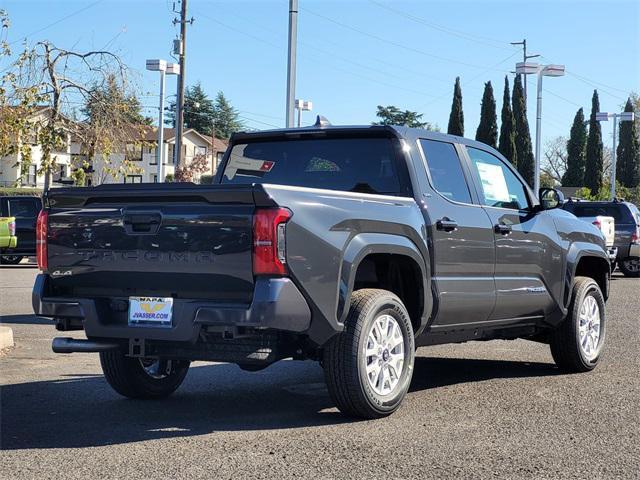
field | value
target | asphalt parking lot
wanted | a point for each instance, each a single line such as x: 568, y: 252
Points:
x: 477, y: 410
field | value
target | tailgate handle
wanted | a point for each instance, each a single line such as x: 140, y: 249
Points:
x: 143, y: 222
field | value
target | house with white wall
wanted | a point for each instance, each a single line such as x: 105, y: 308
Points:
x: 141, y: 156
x: 10, y: 164
x: 140, y: 152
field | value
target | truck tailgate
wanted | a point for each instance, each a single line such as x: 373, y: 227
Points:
x: 182, y: 241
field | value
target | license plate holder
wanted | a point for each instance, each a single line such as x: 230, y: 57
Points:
x: 151, y: 312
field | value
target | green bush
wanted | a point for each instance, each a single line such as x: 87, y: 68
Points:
x: 206, y: 179
x: 10, y: 191
x: 628, y: 194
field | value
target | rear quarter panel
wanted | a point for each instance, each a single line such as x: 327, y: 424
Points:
x: 323, y: 238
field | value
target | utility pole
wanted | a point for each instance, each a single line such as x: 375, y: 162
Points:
x: 182, y: 53
x: 291, y: 62
x: 525, y: 57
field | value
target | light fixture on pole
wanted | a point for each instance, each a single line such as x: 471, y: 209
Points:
x: 526, y: 68
x: 163, y: 67
x: 623, y: 117
x: 303, y: 105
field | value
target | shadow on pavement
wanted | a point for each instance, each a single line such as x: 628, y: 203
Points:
x: 82, y: 411
x: 25, y: 320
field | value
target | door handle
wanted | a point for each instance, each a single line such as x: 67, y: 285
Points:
x: 446, y: 224
x: 502, y: 229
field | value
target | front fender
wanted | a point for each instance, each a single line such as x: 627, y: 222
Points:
x: 365, y: 244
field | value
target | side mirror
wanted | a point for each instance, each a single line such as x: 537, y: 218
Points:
x: 550, y: 198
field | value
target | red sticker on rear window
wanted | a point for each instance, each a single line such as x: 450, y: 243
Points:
x: 267, y: 166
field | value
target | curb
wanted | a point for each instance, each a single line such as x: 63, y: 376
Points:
x: 6, y: 337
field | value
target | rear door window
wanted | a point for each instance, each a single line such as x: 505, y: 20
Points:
x: 23, y: 208
x: 445, y: 170
x: 364, y: 165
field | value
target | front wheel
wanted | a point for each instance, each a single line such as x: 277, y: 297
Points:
x: 630, y: 267
x: 576, y: 344
x: 368, y: 367
x: 141, y: 377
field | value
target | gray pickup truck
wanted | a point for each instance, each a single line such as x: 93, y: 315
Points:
x: 351, y: 246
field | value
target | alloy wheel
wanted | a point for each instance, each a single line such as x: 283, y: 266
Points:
x: 384, y: 354
x: 589, y: 327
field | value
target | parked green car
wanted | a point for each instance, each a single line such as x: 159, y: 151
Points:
x: 8, y: 237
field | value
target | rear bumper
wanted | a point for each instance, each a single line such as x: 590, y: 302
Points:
x: 277, y: 304
x: 634, y: 250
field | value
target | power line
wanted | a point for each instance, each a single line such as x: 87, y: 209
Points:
x: 386, y: 84
x: 441, y: 28
x: 73, y: 14
x: 403, y: 68
x: 472, y: 80
x: 394, y: 43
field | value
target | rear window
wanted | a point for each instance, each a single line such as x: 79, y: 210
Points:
x: 620, y: 213
x: 365, y: 165
x: 23, y: 208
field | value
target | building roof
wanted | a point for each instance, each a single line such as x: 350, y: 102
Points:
x: 169, y: 135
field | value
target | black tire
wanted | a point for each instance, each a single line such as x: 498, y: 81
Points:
x: 565, y: 342
x: 11, y: 259
x: 128, y: 376
x: 345, y: 362
x: 630, y: 267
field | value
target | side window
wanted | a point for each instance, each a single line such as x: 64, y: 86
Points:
x: 500, y: 187
x: 445, y: 170
x: 22, y: 208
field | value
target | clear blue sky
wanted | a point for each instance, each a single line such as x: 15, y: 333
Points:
x: 239, y: 47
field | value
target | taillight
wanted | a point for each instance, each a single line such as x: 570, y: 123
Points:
x: 635, y: 237
x: 597, y: 223
x: 12, y: 228
x: 42, y: 227
x: 269, y: 247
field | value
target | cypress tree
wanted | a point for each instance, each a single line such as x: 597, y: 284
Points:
x: 507, y: 145
x: 456, y: 119
x: 574, y: 176
x: 488, y: 128
x: 628, y: 152
x: 524, y: 151
x: 594, y: 155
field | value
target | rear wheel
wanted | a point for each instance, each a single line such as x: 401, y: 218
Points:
x: 577, y: 342
x: 630, y: 267
x: 10, y: 259
x: 368, y: 367
x: 141, y: 377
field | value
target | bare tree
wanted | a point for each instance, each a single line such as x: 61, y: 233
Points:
x: 67, y: 79
x: 554, y: 164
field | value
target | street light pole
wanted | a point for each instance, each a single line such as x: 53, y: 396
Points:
x: 302, y: 105
x: 536, y: 181
x: 623, y: 117
x: 170, y: 69
x: 525, y: 68
x: 160, y: 145
x: 291, y: 62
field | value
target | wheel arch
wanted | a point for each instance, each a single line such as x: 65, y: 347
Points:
x: 386, y: 253
x: 587, y: 261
